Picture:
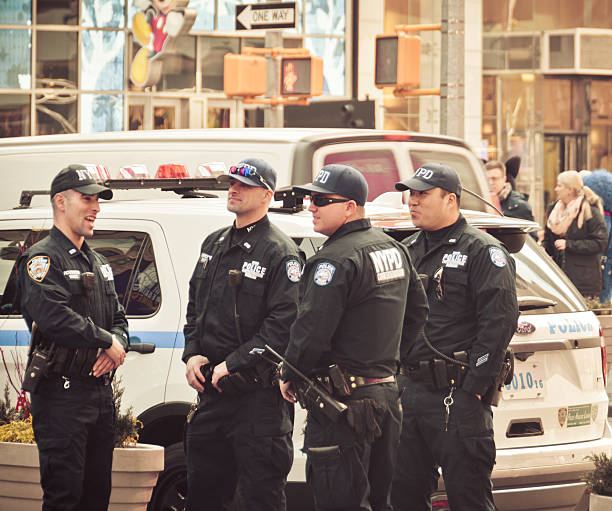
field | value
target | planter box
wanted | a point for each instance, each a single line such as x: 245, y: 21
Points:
x: 599, y: 502
x: 135, y: 471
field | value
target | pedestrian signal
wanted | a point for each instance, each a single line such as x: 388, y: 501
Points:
x: 398, y: 61
x: 301, y: 76
x: 244, y: 75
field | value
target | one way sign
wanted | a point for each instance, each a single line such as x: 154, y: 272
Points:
x: 268, y: 15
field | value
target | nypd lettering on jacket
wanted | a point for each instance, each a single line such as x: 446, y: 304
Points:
x: 454, y: 260
x: 253, y: 270
x: 388, y: 265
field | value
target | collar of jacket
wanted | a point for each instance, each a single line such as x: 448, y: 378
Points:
x: 250, y: 238
x: 66, y: 244
x: 356, y: 225
x: 452, y: 236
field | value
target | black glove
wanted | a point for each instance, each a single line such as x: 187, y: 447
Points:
x: 365, y: 417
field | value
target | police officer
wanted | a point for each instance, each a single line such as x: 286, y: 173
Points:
x: 472, y: 309
x: 238, y: 443
x: 84, y: 332
x: 357, y: 294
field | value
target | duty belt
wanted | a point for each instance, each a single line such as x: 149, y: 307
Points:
x: 438, y: 373
x: 361, y: 381
x: 340, y: 383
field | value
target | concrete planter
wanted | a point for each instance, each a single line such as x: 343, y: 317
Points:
x: 599, y: 502
x: 135, y: 471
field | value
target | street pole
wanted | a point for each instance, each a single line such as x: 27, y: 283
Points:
x: 452, y: 78
x: 273, y: 114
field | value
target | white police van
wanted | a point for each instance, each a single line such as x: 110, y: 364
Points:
x: 552, y: 415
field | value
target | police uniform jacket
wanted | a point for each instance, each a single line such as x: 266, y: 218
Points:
x: 52, y: 294
x: 271, y: 266
x: 474, y: 306
x: 353, y: 304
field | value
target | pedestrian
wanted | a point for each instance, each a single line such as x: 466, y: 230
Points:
x: 473, y: 312
x: 513, y: 203
x: 358, y: 296
x: 600, y: 181
x: 576, y: 234
x: 242, y: 295
x: 67, y: 291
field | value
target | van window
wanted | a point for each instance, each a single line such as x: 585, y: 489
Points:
x: 463, y: 167
x: 379, y: 168
x: 131, y: 256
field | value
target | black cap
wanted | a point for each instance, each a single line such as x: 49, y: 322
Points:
x: 341, y: 180
x: 432, y: 175
x: 81, y: 179
x: 261, y: 168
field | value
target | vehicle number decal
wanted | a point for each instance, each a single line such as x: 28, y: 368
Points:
x: 528, y: 382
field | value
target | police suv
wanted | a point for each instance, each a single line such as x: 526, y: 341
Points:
x: 552, y: 415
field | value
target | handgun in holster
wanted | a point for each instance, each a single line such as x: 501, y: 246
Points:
x: 38, y: 362
x: 493, y: 394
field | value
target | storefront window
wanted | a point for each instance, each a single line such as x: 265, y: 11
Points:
x: 14, y: 115
x: 179, y: 66
x: 101, y: 113
x: 57, y: 12
x: 212, y: 50
x: 15, y: 65
x: 325, y: 17
x: 102, y: 60
x: 331, y: 50
x: 56, y: 59
x: 56, y: 112
x: 206, y: 14
x: 103, y: 13
x: 16, y: 12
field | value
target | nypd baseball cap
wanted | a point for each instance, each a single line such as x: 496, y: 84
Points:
x: 340, y: 180
x: 81, y: 179
x: 252, y: 172
x: 432, y: 175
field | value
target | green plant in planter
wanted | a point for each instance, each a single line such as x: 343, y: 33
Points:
x: 599, y: 480
x: 16, y: 426
x: 598, y: 307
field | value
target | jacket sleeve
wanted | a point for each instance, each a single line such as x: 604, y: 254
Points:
x: 47, y: 302
x: 493, y: 290
x: 281, y: 306
x: 321, y: 309
x: 595, y: 239
x: 417, y: 310
x: 192, y: 346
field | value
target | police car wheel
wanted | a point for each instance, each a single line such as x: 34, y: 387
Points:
x: 171, y: 490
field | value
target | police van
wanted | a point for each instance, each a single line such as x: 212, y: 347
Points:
x: 552, y: 415
x: 384, y: 157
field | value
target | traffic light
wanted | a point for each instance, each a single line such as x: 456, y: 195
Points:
x: 301, y: 76
x: 398, y: 61
x: 244, y: 75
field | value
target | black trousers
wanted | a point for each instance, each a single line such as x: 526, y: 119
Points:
x: 466, y: 452
x: 350, y: 473
x: 239, y: 452
x: 74, y: 430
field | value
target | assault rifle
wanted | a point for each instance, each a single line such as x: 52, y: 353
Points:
x: 310, y: 394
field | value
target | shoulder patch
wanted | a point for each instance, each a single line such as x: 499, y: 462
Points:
x: 498, y: 258
x: 388, y: 265
x: 324, y: 274
x: 294, y: 270
x: 38, y: 267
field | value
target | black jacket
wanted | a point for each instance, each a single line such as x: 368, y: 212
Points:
x: 51, y: 292
x: 356, y: 295
x: 581, y: 260
x: 475, y: 307
x: 515, y: 205
x: 271, y: 266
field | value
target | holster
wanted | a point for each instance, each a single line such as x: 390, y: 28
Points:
x: 442, y: 374
x: 493, y: 394
x: 35, y: 371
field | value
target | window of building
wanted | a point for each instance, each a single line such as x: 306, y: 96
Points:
x: 15, y: 62
x: 14, y: 115
x: 56, y: 112
x: 56, y: 59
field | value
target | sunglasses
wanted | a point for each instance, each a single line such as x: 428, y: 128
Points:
x: 320, y: 201
x: 246, y: 170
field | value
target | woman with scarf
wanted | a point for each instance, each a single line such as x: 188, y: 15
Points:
x: 576, y: 233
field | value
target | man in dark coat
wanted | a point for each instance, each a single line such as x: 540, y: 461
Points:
x: 513, y: 203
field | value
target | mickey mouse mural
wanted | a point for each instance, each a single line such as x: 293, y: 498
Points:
x: 156, y: 26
